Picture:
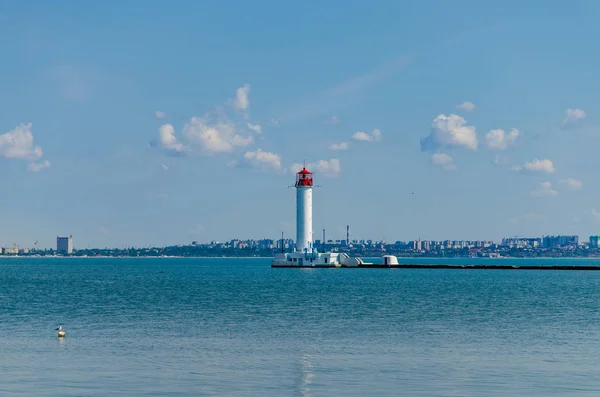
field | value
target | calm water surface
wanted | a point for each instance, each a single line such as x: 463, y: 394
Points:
x: 236, y: 327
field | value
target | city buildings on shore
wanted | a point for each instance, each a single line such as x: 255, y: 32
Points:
x: 64, y: 246
x: 544, y: 242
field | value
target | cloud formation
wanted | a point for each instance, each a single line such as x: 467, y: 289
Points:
x: 36, y: 167
x: 467, y: 105
x: 255, y: 127
x: 167, y: 139
x: 339, y: 146
x: 374, y: 136
x: 242, y: 101
x: 18, y: 144
x: 542, y: 166
x: 443, y: 160
x: 330, y: 168
x: 262, y: 160
x: 449, y: 131
x: 214, y: 134
x: 545, y: 190
x: 571, y: 184
x: 160, y: 115
x: 499, y: 140
x: 573, y: 118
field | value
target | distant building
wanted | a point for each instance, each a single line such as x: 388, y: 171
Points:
x: 64, y: 245
x: 10, y: 251
x: 560, y: 241
x: 594, y: 240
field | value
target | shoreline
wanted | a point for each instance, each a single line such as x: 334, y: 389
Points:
x: 405, y: 258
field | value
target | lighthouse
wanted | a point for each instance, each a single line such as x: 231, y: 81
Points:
x: 305, y: 254
x: 304, y: 187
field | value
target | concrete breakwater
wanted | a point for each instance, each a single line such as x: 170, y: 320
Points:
x: 457, y: 267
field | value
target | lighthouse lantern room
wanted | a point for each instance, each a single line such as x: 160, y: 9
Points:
x: 304, y: 178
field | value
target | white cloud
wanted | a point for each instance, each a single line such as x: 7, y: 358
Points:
x: 160, y: 115
x: 263, y: 160
x: 545, y: 190
x: 444, y: 160
x: 255, y: 127
x: 333, y: 120
x: 499, y: 140
x: 572, y: 184
x: 168, y: 140
x: 339, y: 146
x: 274, y: 122
x: 241, y: 101
x: 214, y: 136
x: 543, y: 166
x: 330, y: 168
x: 449, y: 131
x: 374, y: 136
x: 35, y: 167
x: 18, y: 144
x: 212, y: 133
x: 164, y: 167
x: 467, y: 105
x: 573, y: 118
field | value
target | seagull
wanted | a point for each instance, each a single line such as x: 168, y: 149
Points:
x: 61, y: 333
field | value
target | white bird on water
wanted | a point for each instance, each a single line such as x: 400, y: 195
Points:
x: 61, y: 333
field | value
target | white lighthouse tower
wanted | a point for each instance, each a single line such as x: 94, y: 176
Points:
x: 304, y: 187
x: 304, y: 253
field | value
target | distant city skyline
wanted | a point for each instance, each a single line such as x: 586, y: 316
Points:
x: 460, y: 120
x: 65, y: 244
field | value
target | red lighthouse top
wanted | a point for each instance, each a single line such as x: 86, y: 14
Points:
x: 304, y: 178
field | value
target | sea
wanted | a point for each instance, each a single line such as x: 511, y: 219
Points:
x: 237, y: 327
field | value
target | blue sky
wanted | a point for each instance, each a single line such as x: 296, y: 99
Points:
x: 153, y: 122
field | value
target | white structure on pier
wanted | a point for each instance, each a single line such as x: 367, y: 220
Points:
x: 304, y: 187
x: 305, y: 254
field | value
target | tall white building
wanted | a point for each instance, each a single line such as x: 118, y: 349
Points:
x: 304, y: 187
x: 305, y: 254
x: 64, y: 245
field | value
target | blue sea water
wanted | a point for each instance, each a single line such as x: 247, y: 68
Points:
x: 236, y: 327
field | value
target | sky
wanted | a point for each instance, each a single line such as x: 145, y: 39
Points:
x: 152, y: 123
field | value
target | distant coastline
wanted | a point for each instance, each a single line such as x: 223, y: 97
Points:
x: 191, y: 251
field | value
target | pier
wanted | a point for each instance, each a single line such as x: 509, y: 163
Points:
x: 449, y: 266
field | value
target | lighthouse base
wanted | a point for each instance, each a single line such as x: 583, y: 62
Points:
x: 314, y: 259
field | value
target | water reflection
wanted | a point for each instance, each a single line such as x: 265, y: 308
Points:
x: 306, y: 375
